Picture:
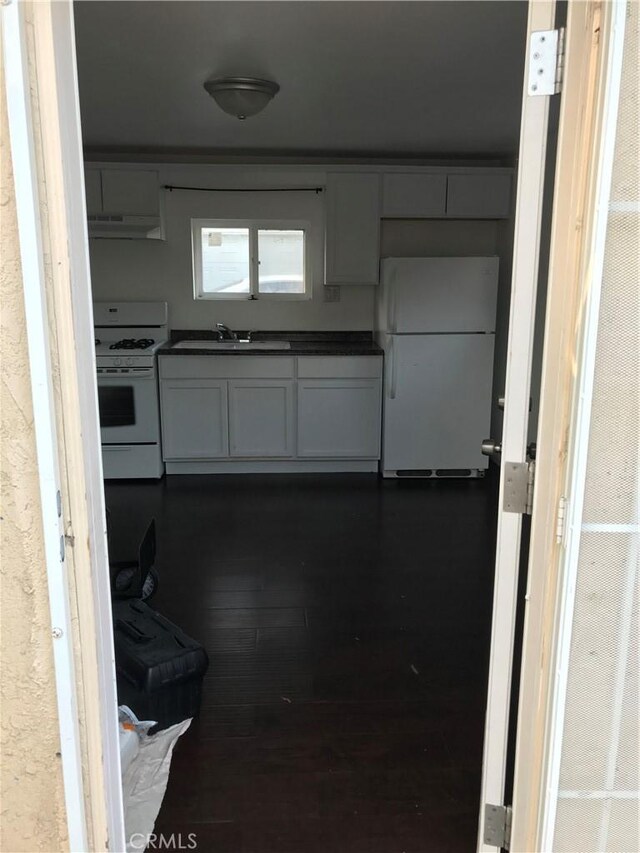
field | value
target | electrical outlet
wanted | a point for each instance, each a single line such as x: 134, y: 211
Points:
x: 332, y: 293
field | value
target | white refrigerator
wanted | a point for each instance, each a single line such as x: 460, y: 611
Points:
x: 436, y: 322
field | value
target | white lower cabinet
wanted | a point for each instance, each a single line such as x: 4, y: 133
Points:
x: 339, y: 418
x: 194, y: 419
x: 246, y: 414
x: 261, y: 418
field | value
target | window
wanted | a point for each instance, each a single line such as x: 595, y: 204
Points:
x: 249, y: 259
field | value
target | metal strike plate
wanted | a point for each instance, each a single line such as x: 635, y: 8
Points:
x: 516, y: 486
x: 544, y: 70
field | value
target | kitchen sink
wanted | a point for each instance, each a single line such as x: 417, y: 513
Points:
x: 233, y: 345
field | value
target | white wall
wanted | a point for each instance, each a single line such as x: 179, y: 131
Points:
x: 153, y: 269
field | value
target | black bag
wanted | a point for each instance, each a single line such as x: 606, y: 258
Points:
x: 159, y: 668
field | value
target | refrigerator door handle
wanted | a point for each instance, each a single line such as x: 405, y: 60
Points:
x: 392, y: 370
x: 393, y: 302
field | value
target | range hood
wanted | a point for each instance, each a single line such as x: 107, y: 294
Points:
x: 105, y: 227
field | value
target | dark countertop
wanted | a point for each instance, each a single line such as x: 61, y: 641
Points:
x: 302, y: 343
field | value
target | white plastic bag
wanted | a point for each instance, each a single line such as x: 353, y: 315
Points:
x: 144, y: 779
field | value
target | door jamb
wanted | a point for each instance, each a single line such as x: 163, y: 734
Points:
x: 526, y: 241
x: 57, y: 171
x: 27, y: 200
x: 592, y: 33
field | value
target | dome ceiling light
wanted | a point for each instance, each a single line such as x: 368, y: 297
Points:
x: 241, y: 97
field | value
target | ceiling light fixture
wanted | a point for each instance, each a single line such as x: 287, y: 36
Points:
x: 241, y: 96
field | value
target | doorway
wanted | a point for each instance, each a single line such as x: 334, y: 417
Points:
x: 444, y: 628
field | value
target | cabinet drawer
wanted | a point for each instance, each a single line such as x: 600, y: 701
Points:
x: 226, y: 367
x: 338, y: 367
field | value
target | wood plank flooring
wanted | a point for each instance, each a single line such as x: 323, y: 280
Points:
x: 347, y: 622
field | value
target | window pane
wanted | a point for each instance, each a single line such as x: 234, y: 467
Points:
x: 281, y: 255
x: 225, y: 260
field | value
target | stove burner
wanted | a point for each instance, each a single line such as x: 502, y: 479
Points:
x: 132, y: 343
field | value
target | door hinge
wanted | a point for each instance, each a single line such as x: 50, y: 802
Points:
x: 561, y: 520
x: 546, y: 62
x: 531, y: 481
x: 497, y: 826
x: 519, y: 482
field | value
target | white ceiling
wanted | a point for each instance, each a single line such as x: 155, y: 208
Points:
x: 357, y: 77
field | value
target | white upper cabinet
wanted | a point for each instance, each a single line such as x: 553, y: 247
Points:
x: 130, y: 192
x: 124, y: 203
x: 480, y: 196
x: 353, y: 228
x: 93, y: 188
x: 413, y: 196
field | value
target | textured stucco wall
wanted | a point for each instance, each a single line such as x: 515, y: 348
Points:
x: 32, y: 816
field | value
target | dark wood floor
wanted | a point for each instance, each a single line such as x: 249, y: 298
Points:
x: 347, y: 622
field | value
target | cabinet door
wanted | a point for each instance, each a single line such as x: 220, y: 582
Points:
x: 93, y: 189
x: 479, y: 196
x: 194, y: 419
x: 130, y: 192
x: 261, y: 417
x: 413, y: 196
x: 353, y: 228
x: 339, y: 418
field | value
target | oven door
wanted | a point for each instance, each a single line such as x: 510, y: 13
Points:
x: 128, y: 404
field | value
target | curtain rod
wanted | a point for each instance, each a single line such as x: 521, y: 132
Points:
x: 316, y: 190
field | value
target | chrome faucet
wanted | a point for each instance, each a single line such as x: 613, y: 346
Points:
x: 225, y: 333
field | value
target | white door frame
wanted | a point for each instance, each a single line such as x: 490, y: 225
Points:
x: 579, y: 449
x: 524, y: 288
x: 593, y: 50
x: 44, y: 124
x: 26, y: 184
x: 588, y: 124
x: 72, y: 161
x: 561, y: 326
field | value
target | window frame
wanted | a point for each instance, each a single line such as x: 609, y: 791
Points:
x: 253, y: 226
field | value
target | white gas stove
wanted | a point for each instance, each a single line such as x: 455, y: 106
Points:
x: 128, y: 335
x: 126, y: 352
